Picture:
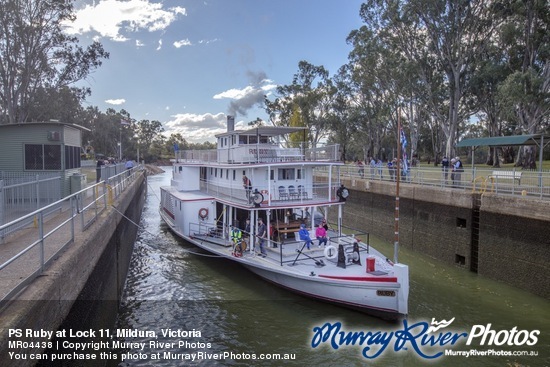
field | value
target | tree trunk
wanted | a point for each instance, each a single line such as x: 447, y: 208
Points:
x: 529, y: 160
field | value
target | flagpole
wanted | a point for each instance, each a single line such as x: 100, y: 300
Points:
x: 398, y: 176
x: 120, y: 143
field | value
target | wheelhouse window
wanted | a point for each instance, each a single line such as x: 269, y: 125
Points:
x: 42, y: 157
x: 286, y: 174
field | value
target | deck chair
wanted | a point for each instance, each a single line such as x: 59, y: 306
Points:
x: 293, y: 193
x: 283, y: 195
x: 302, y: 192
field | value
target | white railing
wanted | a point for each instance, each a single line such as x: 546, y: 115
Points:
x: 18, y: 199
x: 514, y: 181
x: 28, y: 253
x: 279, y: 194
x: 261, y: 153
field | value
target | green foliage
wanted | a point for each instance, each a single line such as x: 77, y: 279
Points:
x: 37, y: 56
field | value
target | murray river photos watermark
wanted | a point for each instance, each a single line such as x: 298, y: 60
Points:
x: 428, y: 340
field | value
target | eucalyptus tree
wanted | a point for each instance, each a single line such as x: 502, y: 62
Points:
x: 311, y: 92
x: 485, y: 86
x: 458, y: 31
x: 377, y: 76
x: 442, y: 40
x: 343, y: 120
x: 35, y: 53
x: 63, y: 104
x: 525, y: 37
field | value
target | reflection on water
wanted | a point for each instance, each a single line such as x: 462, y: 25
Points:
x: 169, y: 286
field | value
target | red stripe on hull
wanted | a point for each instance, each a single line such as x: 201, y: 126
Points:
x: 362, y: 279
x: 169, y: 213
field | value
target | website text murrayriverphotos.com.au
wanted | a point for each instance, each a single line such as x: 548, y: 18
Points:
x: 427, y: 341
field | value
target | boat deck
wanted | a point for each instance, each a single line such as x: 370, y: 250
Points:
x: 313, y: 261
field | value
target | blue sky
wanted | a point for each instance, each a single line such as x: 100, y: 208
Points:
x: 190, y: 63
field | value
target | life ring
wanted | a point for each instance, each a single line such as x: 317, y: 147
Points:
x: 203, y: 213
x: 331, y: 253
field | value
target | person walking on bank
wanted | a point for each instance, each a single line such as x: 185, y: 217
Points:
x: 391, y: 169
x: 445, y: 169
x: 458, y: 169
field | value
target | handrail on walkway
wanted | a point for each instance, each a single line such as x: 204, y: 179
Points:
x: 516, y: 182
x: 25, y: 254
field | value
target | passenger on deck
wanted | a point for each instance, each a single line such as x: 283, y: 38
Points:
x: 321, y: 234
x: 304, y: 235
x: 247, y: 184
x: 262, y: 234
x: 236, y: 236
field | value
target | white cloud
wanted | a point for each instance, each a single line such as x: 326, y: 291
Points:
x: 110, y: 17
x: 182, y: 43
x: 118, y: 101
x: 160, y: 45
x: 206, y: 42
x: 197, y: 128
x: 235, y: 93
x: 139, y: 43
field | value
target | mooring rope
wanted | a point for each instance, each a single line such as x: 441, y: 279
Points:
x: 158, y: 235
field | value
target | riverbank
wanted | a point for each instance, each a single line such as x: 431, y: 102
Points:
x: 89, y: 274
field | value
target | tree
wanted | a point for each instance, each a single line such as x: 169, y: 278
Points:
x: 174, y: 140
x: 311, y: 93
x: 150, y: 140
x: 35, y: 53
x: 63, y: 104
x: 525, y: 37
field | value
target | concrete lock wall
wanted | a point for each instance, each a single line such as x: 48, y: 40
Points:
x: 502, y: 238
x: 82, y: 288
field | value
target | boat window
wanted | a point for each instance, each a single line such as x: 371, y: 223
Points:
x: 286, y: 174
x: 181, y: 168
x: 252, y: 139
x: 299, y: 173
x: 227, y: 174
x: 272, y: 175
x: 242, y: 139
x: 264, y: 139
x: 234, y: 175
x: 215, y: 172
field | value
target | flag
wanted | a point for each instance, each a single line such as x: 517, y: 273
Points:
x: 403, y: 140
x: 404, y: 146
x: 176, y: 147
x: 124, y: 122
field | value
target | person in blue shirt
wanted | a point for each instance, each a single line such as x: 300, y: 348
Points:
x: 304, y: 235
